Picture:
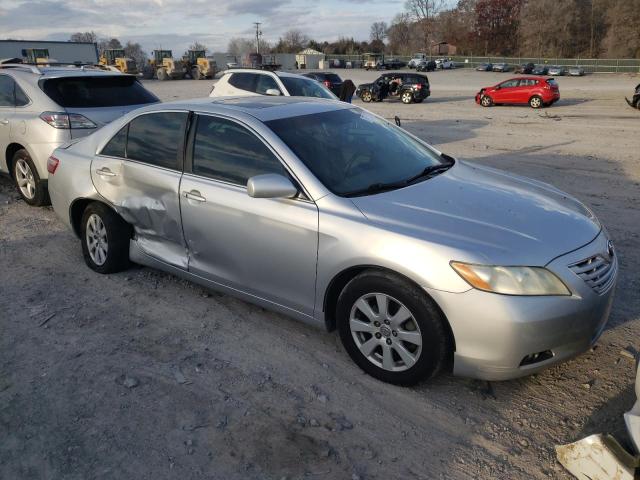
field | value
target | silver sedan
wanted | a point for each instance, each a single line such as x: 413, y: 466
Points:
x: 327, y: 213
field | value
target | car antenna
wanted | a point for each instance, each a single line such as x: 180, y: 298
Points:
x: 397, y: 120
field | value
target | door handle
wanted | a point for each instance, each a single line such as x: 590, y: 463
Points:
x: 105, y: 172
x: 4, y: 121
x: 194, y: 195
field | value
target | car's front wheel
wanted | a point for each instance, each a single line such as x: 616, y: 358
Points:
x: 392, y: 329
x: 406, y: 97
x: 536, y: 102
x: 486, y: 101
x: 366, y: 96
x: 32, y: 189
x: 105, y: 239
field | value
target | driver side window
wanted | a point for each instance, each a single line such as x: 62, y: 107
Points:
x: 226, y: 151
x: 264, y: 83
x: 509, y: 84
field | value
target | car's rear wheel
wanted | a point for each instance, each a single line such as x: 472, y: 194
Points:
x: 31, y: 188
x: 406, y: 97
x: 486, y: 101
x: 105, y: 239
x: 366, y: 96
x: 536, y: 102
x: 391, y: 329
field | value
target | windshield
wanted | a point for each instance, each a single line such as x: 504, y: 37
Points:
x: 303, y: 87
x: 351, y: 150
x: 91, y: 92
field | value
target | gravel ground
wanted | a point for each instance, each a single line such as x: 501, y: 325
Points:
x: 142, y: 375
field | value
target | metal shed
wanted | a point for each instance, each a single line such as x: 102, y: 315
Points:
x: 60, y: 51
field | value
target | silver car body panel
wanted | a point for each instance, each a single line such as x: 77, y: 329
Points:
x: 284, y: 253
x: 632, y: 417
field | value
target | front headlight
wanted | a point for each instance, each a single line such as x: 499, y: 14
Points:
x: 511, y: 280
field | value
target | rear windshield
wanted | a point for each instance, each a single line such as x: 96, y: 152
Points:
x: 332, y: 77
x: 303, y: 87
x: 91, y: 92
x: 552, y: 81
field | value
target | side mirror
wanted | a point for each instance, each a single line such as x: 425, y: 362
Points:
x: 274, y: 92
x: 271, y: 185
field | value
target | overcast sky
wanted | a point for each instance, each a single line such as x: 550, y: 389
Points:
x: 174, y: 24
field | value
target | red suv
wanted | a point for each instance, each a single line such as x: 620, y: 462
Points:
x: 537, y: 92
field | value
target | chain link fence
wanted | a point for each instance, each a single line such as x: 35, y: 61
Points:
x: 590, y: 65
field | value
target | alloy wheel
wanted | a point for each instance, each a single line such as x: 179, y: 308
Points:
x: 406, y: 97
x: 535, y: 102
x: 366, y: 96
x: 385, y: 332
x: 485, y: 101
x: 25, y: 179
x: 96, y: 238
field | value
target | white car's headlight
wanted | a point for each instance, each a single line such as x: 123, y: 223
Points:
x: 511, y: 280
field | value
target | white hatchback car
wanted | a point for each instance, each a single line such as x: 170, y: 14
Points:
x: 248, y: 81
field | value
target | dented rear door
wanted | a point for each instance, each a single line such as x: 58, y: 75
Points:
x: 139, y: 172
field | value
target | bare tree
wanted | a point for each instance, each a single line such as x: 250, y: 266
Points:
x: 424, y: 12
x: 399, y: 34
x: 240, y: 46
x: 135, y: 52
x: 198, y: 46
x: 378, y: 31
x: 623, y: 35
x: 89, y: 37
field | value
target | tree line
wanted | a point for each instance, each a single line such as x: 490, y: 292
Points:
x: 526, y: 28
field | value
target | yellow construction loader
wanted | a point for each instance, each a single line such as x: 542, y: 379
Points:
x: 163, y: 67
x: 198, y: 65
x: 115, y: 59
x: 39, y: 56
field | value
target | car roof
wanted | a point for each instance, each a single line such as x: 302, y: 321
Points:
x: 30, y: 72
x: 264, y: 108
x: 277, y: 73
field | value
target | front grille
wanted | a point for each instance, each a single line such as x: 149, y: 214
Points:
x: 599, y: 271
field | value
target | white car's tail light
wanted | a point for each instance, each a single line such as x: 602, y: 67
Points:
x: 67, y: 120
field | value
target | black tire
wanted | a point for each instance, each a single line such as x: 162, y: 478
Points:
x: 486, y: 101
x: 436, y: 344
x: 406, y: 97
x: 118, y: 233
x: 366, y: 96
x: 23, y: 169
x: 536, y: 102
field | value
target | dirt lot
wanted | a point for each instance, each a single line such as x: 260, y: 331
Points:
x: 141, y: 375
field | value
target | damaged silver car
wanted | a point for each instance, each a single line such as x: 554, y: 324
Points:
x: 330, y: 214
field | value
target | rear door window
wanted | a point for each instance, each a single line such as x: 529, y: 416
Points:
x: 527, y: 82
x: 224, y: 150
x: 243, y: 81
x: 117, y: 145
x: 7, y: 89
x: 21, y: 98
x: 98, y: 91
x: 157, y: 139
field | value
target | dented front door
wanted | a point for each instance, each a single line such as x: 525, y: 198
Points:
x: 142, y: 184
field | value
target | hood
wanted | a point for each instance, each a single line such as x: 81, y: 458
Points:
x: 488, y: 215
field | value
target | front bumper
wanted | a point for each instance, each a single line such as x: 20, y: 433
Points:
x: 494, y: 333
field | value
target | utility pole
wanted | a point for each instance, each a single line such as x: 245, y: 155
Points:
x: 258, y: 35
